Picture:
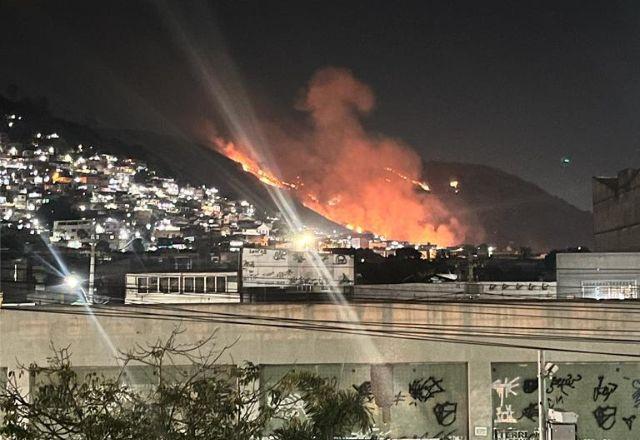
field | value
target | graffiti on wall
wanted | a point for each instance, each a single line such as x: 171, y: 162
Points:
x: 407, y: 400
x: 606, y: 397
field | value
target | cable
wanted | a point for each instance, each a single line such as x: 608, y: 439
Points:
x: 304, y: 325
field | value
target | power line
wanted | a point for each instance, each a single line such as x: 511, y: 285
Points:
x: 277, y: 322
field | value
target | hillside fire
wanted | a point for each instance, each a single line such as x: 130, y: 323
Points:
x: 367, y: 182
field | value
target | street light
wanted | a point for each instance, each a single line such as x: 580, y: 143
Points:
x: 72, y: 281
x: 304, y: 241
x: 550, y: 369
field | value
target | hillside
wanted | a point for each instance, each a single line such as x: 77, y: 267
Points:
x: 508, y: 209
x: 171, y: 156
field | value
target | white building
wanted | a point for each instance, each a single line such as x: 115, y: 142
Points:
x: 263, y: 230
x: 598, y: 275
x: 302, y: 271
x: 455, y: 290
x: 72, y: 230
x: 181, y: 287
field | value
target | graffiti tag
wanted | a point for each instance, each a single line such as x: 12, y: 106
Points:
x: 605, y: 416
x: 530, y: 385
x: 530, y: 412
x: 603, y: 390
x: 636, y: 393
x: 424, y: 389
x: 563, y: 383
x: 629, y: 421
x: 504, y: 413
x: 445, y: 413
x: 364, y: 390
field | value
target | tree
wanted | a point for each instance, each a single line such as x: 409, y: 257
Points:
x: 192, y: 397
x: 137, y: 245
x: 329, y: 412
x: 102, y: 246
x: 408, y: 253
x: 57, y: 209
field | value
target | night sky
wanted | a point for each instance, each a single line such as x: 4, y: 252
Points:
x: 516, y: 85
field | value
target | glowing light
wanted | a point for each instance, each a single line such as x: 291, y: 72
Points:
x: 72, y: 281
x: 422, y: 185
x: 304, y: 241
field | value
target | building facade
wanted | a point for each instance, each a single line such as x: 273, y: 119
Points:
x: 616, y: 212
x: 72, y: 230
x: 458, y: 290
x: 181, y: 287
x: 297, y: 271
x: 598, y: 275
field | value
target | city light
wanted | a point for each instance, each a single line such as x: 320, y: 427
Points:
x: 304, y: 241
x: 72, y: 281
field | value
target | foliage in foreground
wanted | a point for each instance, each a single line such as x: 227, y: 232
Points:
x: 192, y: 397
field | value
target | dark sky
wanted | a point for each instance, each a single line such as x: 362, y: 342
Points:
x: 516, y: 85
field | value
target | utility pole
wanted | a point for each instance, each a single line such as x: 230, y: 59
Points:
x: 92, y: 265
x: 541, y: 397
x: 239, y: 283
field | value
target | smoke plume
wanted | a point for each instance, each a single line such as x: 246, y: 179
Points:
x: 365, y: 181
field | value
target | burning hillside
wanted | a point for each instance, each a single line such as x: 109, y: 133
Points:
x: 363, y: 181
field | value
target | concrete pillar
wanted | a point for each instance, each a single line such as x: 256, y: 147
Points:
x: 480, y: 407
x: 21, y: 378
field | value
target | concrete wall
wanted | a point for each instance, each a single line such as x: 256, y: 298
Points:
x: 414, y: 345
x: 576, y: 269
x: 605, y: 396
x: 408, y: 400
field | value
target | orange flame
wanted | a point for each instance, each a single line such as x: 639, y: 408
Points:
x: 332, y: 208
x: 422, y: 185
x: 364, y: 181
x: 250, y: 165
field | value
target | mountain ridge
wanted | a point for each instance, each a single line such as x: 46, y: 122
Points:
x: 510, y: 210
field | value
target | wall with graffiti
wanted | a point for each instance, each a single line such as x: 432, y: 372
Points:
x: 606, y: 397
x: 407, y: 400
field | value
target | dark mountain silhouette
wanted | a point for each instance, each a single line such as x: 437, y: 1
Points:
x: 509, y: 210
